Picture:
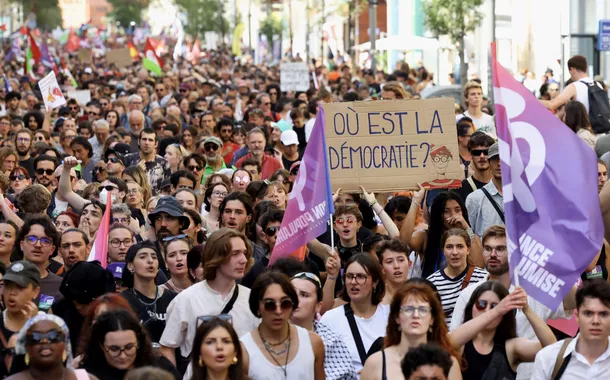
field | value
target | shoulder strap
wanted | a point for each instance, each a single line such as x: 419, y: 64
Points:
x: 349, y: 314
x: 471, y: 183
x: 493, y: 203
x: 383, y: 366
x: 560, y: 361
x: 466, y: 281
x: 3, y: 339
x: 231, y: 302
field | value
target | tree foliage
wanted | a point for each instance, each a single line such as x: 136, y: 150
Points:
x: 271, y: 26
x: 453, y: 18
x: 126, y: 11
x: 204, y: 16
x: 48, y: 13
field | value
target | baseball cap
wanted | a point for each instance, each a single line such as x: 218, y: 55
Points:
x: 116, y: 269
x: 171, y: 207
x: 88, y: 70
x: 289, y: 137
x: 22, y: 273
x: 283, y: 125
x: 493, y: 151
x: 86, y: 281
x: 213, y: 139
x: 120, y: 150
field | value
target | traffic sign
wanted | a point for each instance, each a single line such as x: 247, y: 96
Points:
x: 603, y: 36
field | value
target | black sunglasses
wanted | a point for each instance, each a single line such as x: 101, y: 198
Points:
x: 194, y: 168
x: 482, y: 305
x: 213, y: 147
x: 107, y: 187
x: 478, y: 152
x: 37, y: 338
x: 20, y: 177
x: 271, y: 231
x: 114, y: 160
x: 271, y: 305
x: 45, y: 171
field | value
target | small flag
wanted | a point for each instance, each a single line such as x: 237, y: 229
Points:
x: 47, y: 61
x: 151, y: 61
x: 311, y: 200
x: 7, y: 85
x: 99, y: 250
x: 544, y: 164
x: 36, y: 53
x: 15, y: 52
x: 133, y: 52
x: 27, y: 65
x: 73, y: 42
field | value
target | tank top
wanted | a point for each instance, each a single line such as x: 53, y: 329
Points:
x: 600, y: 270
x: 478, y: 364
x: 301, y: 367
x: 582, y: 91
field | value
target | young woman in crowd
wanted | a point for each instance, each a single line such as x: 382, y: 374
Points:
x: 282, y: 176
x: 112, y: 117
x: 219, y: 355
x: 278, y: 349
x: 187, y: 198
x: 148, y: 300
x: 8, y: 234
x: 176, y: 251
x: 118, y: 343
x: 188, y: 139
x: 447, y: 211
x: 19, y: 180
x: 8, y: 160
x: 65, y: 139
x: 393, y: 256
x: 363, y: 292
x: 488, y: 339
x: 458, y: 273
x: 240, y: 180
x: 174, y: 154
x: 577, y: 119
x: 136, y: 174
x: 212, y: 199
x: 214, y: 179
x: 66, y: 220
x: 193, y: 261
x: 416, y: 317
x: 135, y: 197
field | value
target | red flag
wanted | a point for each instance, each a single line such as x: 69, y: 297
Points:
x: 73, y: 42
x: 36, y: 53
x: 3, y: 27
x: 152, y: 44
x: 23, y: 30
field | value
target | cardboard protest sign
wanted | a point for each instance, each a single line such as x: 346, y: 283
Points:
x: 392, y: 145
x: 51, y: 94
x: 81, y: 96
x: 120, y: 57
x: 84, y: 55
x: 294, y: 76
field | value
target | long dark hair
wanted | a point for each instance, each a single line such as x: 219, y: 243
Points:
x: 117, y: 320
x: 507, y: 329
x: 577, y: 116
x: 236, y: 371
x: 437, y: 227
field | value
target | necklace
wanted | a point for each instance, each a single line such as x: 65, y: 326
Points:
x: 273, y: 353
x: 147, y: 305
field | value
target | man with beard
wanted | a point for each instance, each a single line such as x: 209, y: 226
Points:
x: 256, y: 147
x: 212, y: 151
x: 495, y: 254
x: 478, y: 147
x: 225, y: 129
x: 236, y: 212
x: 23, y: 143
x: 44, y: 170
x: 156, y: 167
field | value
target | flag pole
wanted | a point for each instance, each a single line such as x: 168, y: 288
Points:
x: 332, y: 235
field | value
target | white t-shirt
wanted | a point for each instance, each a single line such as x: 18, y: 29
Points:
x: 485, y: 123
x: 582, y: 90
x: 370, y: 329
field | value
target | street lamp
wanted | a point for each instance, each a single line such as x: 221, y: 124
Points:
x: 373, y: 33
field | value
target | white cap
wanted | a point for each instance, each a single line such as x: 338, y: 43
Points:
x: 289, y: 137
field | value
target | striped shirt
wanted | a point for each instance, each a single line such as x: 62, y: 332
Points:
x: 450, y: 288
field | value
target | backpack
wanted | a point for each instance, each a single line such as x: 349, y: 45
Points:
x: 599, y: 108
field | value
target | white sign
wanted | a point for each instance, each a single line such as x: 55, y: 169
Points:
x: 294, y: 76
x: 81, y: 96
x: 51, y: 94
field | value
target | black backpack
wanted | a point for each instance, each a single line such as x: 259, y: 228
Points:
x: 599, y: 108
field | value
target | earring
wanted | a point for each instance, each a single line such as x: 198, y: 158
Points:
x: 235, y: 360
x: 64, y: 356
x: 399, y: 328
x: 430, y: 329
x: 200, y: 362
x: 26, y: 359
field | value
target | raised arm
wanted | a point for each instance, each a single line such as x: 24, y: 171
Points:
x: 387, y: 221
x: 414, y: 241
x: 65, y: 187
x: 333, y: 267
x: 8, y: 212
x: 525, y: 350
x: 321, y: 250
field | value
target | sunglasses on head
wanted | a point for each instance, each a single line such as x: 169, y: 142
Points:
x: 45, y: 171
x: 107, y: 187
x: 482, y: 305
x: 271, y: 231
x: 310, y: 276
x: 478, y: 152
x: 19, y: 177
x: 207, y: 318
x: 37, y: 338
x: 271, y: 305
x: 176, y: 237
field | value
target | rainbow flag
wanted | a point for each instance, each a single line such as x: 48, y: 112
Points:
x: 99, y: 250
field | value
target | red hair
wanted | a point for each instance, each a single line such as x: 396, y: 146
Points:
x: 72, y: 215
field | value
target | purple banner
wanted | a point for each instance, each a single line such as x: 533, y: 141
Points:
x: 553, y: 215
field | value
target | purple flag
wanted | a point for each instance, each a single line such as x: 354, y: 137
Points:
x: 46, y: 59
x: 311, y: 199
x: 553, y: 216
x: 15, y: 51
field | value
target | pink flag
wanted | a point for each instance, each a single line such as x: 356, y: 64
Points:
x: 99, y: 250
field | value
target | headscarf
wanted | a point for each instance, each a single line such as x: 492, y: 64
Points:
x: 20, y: 348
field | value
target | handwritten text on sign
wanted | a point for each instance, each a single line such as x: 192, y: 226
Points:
x: 392, y: 145
x: 294, y: 76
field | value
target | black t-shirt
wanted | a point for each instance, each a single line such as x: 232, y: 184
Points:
x: 28, y: 165
x: 466, y: 188
x: 287, y: 163
x: 7, y: 335
x: 152, y: 313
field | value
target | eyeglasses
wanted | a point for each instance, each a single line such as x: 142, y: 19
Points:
x: 213, y: 147
x: 219, y: 194
x: 348, y: 220
x: 172, y: 238
x: 478, y: 152
x: 93, y: 113
x: 309, y: 276
x: 107, y: 187
x: 74, y: 108
x: 114, y: 160
x: 194, y: 168
x: 271, y: 305
x: 133, y: 191
x: 208, y: 318
x: 19, y: 177
x: 241, y: 179
x: 44, y: 241
x: 100, y: 169
x: 23, y: 139
x: 116, y: 243
x: 271, y: 231
x: 37, y: 338
x: 482, y: 305
x: 45, y: 171
x: 409, y: 311
x: 116, y: 351
x: 120, y: 220
x: 500, y: 250
x: 360, y: 278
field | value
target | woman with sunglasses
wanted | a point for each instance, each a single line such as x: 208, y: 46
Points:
x: 44, y: 352
x: 20, y: 179
x: 363, y: 292
x: 148, y: 300
x: 212, y: 199
x: 488, y: 338
x: 219, y: 355
x: 278, y: 349
x: 240, y: 180
x: 118, y: 343
x: 416, y: 318
x: 176, y: 251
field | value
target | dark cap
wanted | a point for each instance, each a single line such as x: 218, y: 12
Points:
x: 120, y: 148
x: 22, y: 273
x: 117, y: 153
x: 171, y: 207
x: 86, y: 281
x: 116, y: 269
